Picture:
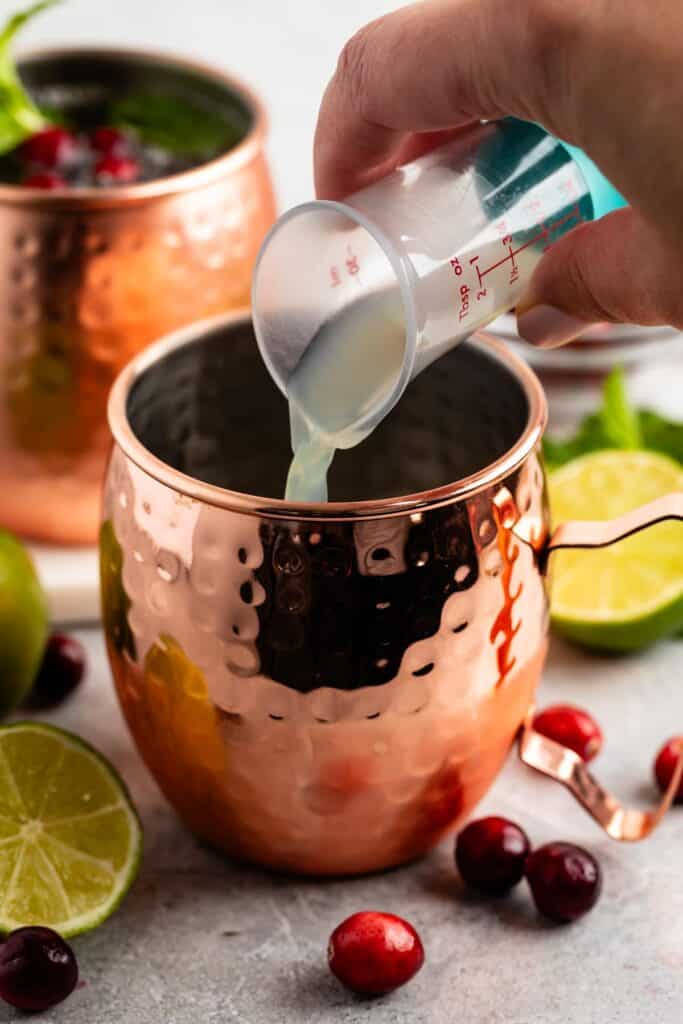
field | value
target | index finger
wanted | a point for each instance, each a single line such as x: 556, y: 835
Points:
x: 433, y: 66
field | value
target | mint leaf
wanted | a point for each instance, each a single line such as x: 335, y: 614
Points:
x: 661, y: 435
x: 19, y: 116
x: 591, y: 437
x: 614, y: 425
x: 617, y: 425
x: 619, y: 419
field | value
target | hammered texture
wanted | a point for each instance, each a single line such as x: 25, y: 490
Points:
x: 280, y: 766
x: 82, y: 291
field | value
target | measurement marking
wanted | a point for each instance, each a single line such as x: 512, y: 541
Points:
x: 545, y: 231
x: 574, y: 213
x: 506, y: 259
x: 351, y: 261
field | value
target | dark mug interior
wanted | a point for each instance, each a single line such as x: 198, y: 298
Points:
x: 82, y: 82
x: 210, y: 409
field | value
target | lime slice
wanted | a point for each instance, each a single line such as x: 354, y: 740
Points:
x: 70, y: 840
x: 23, y: 622
x: 628, y: 595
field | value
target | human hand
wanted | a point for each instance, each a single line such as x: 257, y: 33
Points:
x: 604, y: 77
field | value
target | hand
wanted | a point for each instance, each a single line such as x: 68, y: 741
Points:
x: 603, y: 76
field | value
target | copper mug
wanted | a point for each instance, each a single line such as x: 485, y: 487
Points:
x: 329, y: 689
x: 89, y: 278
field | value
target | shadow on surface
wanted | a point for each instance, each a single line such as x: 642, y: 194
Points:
x: 514, y: 909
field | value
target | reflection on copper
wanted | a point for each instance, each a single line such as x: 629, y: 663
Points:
x: 503, y: 625
x: 380, y: 546
x: 621, y: 823
x: 531, y: 529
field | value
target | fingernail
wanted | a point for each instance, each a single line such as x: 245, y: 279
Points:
x: 548, y: 327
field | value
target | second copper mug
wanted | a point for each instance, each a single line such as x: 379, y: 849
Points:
x: 89, y: 277
x: 330, y: 689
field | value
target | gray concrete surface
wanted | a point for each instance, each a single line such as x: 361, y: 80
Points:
x: 201, y: 940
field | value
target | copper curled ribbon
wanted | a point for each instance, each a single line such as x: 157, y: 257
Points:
x: 627, y: 825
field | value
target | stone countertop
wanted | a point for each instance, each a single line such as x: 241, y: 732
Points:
x: 201, y: 939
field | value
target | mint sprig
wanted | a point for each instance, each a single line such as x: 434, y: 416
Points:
x: 617, y: 425
x: 620, y: 421
x: 19, y: 116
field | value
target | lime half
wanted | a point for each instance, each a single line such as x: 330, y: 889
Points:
x: 628, y: 595
x: 70, y: 840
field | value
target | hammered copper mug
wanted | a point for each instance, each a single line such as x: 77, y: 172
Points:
x: 90, y: 277
x: 330, y: 689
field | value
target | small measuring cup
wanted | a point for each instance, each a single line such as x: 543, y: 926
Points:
x: 447, y: 242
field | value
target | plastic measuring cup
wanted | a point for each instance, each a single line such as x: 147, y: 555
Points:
x: 445, y: 244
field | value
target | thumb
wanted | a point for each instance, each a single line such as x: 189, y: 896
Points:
x: 616, y: 269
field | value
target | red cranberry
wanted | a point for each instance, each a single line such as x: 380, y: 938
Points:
x: 112, y: 168
x: 572, y: 727
x: 108, y: 141
x: 51, y: 148
x: 565, y: 881
x: 61, y: 671
x: 374, y: 953
x: 665, y: 766
x: 491, y: 854
x: 37, y: 969
x: 47, y: 180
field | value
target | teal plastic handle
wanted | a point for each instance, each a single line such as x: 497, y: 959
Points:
x: 604, y: 195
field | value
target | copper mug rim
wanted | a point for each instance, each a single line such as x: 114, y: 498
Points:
x: 172, y: 184
x: 278, y: 508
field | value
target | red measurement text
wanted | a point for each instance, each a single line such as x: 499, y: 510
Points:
x: 464, y: 302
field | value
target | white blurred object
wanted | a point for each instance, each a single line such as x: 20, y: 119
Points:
x: 70, y: 577
x: 596, y: 351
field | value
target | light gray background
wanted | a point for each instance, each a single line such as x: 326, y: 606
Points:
x: 165, y: 958
x: 285, y: 49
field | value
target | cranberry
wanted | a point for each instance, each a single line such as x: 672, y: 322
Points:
x: 565, y: 881
x: 373, y: 953
x: 47, y: 180
x: 491, y: 854
x: 61, y: 671
x: 112, y: 168
x: 572, y: 727
x: 665, y: 766
x: 108, y: 141
x: 51, y: 148
x: 37, y: 969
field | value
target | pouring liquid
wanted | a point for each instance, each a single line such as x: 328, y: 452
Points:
x: 348, y: 369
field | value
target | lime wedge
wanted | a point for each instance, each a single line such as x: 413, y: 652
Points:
x: 629, y: 595
x: 23, y: 622
x: 70, y: 840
